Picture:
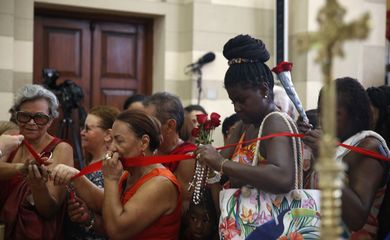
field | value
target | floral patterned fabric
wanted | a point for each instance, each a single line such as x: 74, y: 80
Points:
x: 266, y: 216
x: 250, y: 214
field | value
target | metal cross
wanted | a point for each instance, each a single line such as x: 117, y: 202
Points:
x: 333, y: 32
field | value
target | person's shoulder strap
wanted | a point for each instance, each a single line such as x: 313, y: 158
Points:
x: 357, y: 138
x: 296, y: 145
x: 53, y: 143
x: 184, y: 148
x: 155, y: 172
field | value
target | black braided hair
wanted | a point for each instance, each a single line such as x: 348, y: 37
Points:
x: 250, y: 70
x: 380, y: 99
x: 352, y: 96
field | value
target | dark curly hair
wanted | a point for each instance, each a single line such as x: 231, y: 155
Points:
x: 354, y: 99
x: 380, y: 99
x: 247, y: 57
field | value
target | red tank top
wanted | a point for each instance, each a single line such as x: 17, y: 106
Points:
x: 183, y: 148
x: 167, y: 226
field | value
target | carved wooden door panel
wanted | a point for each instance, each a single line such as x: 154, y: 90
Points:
x: 107, y: 57
x: 118, y: 65
x: 108, y: 60
x: 64, y: 45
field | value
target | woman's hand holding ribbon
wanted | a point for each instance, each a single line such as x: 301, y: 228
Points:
x: 37, y: 176
x: 62, y: 174
x: 112, y: 167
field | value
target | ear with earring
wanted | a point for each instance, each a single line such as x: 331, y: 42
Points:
x: 143, y: 153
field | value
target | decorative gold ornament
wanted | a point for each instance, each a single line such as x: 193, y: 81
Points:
x: 333, y: 32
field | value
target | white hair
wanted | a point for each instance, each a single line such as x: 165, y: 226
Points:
x: 33, y: 91
x: 282, y: 101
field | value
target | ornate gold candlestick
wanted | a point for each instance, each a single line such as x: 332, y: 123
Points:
x: 332, y: 34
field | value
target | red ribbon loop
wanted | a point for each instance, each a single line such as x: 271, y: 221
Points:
x: 147, y: 160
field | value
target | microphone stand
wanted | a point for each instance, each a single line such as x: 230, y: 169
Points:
x: 196, y: 70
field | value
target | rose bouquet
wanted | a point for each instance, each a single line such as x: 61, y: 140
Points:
x: 203, y: 135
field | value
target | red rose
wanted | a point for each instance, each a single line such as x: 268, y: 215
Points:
x: 214, y: 118
x: 201, y: 118
x: 282, y: 67
x: 208, y: 125
x: 195, y: 132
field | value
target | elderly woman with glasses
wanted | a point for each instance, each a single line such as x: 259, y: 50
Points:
x: 32, y: 207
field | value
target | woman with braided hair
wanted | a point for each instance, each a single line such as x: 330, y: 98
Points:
x: 380, y: 106
x: 249, y: 83
x: 365, y: 177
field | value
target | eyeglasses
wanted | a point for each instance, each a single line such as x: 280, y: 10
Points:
x: 39, y: 118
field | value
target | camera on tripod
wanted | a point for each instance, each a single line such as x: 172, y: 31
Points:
x: 70, y: 94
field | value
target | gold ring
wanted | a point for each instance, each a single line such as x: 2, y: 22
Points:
x: 108, y: 156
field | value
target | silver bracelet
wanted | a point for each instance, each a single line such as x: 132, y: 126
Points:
x: 214, y: 179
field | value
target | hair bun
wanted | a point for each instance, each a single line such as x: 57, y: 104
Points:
x: 245, y: 46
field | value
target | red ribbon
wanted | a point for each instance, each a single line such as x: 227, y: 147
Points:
x: 365, y: 152
x: 147, y: 160
x: 136, y: 162
x: 33, y: 152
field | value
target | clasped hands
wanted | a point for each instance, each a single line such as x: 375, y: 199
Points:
x: 36, y: 175
x: 312, y: 136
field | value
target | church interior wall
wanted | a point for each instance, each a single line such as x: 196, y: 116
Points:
x: 364, y: 60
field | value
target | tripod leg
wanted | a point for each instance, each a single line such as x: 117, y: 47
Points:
x: 63, y: 130
x: 77, y: 145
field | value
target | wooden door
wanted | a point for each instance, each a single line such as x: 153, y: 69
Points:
x: 108, y: 60
x: 119, y: 62
x: 64, y: 45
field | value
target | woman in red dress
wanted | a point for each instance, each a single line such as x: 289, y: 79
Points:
x: 147, y: 203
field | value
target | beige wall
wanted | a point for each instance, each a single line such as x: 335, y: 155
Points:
x: 364, y: 60
x: 16, y: 19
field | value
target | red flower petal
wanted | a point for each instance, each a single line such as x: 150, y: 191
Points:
x: 195, y: 132
x: 282, y: 67
x: 214, y: 117
x: 201, y: 118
